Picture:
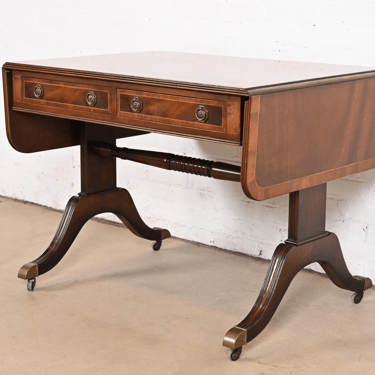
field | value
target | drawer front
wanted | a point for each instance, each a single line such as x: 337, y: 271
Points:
x: 150, y: 108
x: 172, y: 109
x: 66, y: 95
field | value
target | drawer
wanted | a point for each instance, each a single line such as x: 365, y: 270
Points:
x: 150, y: 108
x: 68, y: 95
x: 184, y: 111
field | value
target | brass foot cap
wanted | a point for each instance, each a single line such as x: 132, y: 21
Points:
x: 235, y: 338
x: 28, y: 271
x: 368, y: 282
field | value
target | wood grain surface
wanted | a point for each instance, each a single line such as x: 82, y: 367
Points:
x: 66, y: 95
x: 165, y: 110
x: 301, y: 138
x: 179, y: 110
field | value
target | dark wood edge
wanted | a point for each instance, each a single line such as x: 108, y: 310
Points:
x: 249, y: 147
x: 310, y: 83
x: 8, y: 103
x: 125, y: 78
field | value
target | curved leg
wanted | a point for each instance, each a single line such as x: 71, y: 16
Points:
x: 123, y: 207
x: 77, y: 212
x: 287, y: 261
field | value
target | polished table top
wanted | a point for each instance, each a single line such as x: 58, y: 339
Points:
x: 239, y: 73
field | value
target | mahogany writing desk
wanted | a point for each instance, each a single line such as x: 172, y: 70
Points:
x: 300, y: 126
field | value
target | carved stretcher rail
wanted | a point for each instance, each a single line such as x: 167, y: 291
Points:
x: 185, y: 164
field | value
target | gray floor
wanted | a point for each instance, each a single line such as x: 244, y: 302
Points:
x: 114, y: 306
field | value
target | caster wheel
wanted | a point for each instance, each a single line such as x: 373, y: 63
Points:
x: 31, y: 284
x: 156, y: 245
x: 235, y: 354
x: 357, y: 297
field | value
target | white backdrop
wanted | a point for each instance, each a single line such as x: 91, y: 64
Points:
x: 195, y: 208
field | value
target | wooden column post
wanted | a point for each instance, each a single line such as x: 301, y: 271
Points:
x: 97, y: 174
x: 307, y: 214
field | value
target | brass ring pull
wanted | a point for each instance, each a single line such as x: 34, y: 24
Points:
x: 201, y: 113
x: 38, y: 91
x: 91, y: 98
x: 136, y: 104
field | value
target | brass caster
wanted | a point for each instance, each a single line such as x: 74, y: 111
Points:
x: 235, y: 338
x: 31, y: 284
x: 235, y: 354
x: 156, y: 245
x: 357, y: 297
x: 28, y: 271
